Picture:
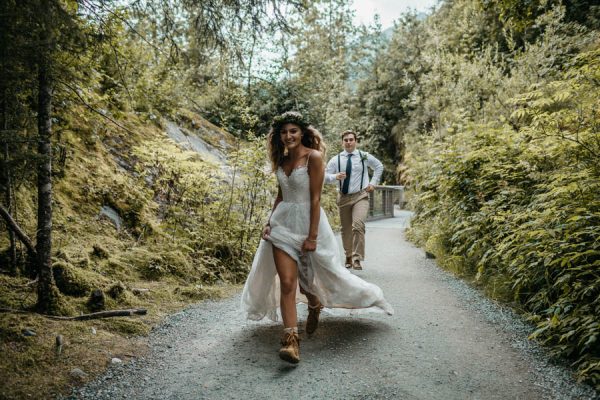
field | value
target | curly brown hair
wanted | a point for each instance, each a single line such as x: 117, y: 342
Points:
x: 311, y: 137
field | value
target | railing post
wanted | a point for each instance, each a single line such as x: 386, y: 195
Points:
x: 382, y: 200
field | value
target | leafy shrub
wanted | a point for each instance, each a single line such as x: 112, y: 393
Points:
x: 210, y: 222
x: 520, y: 209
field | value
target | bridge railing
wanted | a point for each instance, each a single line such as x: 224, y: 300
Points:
x: 382, y: 200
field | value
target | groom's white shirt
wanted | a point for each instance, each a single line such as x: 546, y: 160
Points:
x: 357, y: 168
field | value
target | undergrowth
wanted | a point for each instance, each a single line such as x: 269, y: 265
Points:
x: 518, y: 211
x: 187, y: 231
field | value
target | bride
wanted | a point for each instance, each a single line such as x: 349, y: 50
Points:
x: 298, y: 247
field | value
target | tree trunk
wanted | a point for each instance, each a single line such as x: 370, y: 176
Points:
x: 8, y: 203
x: 6, y: 175
x: 249, y: 71
x: 48, y: 294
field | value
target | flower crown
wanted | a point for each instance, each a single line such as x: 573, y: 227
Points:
x: 290, y: 117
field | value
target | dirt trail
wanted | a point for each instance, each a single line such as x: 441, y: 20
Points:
x: 444, y: 342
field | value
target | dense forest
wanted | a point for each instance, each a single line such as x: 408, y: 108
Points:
x: 486, y: 110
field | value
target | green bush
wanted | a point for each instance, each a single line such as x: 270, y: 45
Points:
x: 520, y: 209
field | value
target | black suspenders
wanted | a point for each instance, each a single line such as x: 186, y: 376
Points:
x: 339, y: 170
x: 362, y: 177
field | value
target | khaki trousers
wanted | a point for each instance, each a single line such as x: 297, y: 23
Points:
x: 353, y: 210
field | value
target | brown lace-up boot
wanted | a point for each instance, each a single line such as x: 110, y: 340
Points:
x: 312, y: 321
x: 290, y: 350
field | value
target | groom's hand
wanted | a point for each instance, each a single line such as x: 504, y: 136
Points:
x: 340, y: 176
x: 370, y: 188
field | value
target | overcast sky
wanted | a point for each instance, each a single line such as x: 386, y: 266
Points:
x: 388, y: 10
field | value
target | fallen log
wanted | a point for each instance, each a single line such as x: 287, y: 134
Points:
x: 84, y: 317
x: 103, y: 314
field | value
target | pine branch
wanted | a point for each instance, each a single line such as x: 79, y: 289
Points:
x: 85, y: 103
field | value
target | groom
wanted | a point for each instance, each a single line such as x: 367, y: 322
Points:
x: 350, y: 169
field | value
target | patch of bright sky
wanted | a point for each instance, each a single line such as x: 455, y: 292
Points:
x: 388, y: 10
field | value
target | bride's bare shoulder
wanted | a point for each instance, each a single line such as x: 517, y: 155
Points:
x: 315, y: 154
x: 314, y: 157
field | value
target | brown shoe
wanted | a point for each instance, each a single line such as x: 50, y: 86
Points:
x: 313, y: 318
x: 290, y: 351
x: 348, y: 262
x: 356, y: 264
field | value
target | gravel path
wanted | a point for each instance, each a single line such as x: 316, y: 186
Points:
x: 445, y: 341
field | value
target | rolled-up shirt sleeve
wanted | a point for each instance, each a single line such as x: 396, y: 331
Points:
x: 331, y: 171
x: 377, y: 168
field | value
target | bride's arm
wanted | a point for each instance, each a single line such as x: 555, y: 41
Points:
x: 316, y: 172
x: 267, y: 229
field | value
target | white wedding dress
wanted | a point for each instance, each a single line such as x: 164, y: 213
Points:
x: 320, y: 272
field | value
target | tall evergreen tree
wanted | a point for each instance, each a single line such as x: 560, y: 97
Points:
x: 56, y: 30
x: 47, y: 291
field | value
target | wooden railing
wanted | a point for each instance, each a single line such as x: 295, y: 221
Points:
x: 382, y: 201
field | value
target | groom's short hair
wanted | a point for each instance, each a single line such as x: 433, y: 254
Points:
x: 349, y: 132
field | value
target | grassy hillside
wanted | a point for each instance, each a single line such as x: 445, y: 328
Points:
x: 132, y: 210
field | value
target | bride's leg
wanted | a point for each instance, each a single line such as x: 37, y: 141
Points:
x: 288, y: 278
x: 314, y: 309
x: 313, y: 300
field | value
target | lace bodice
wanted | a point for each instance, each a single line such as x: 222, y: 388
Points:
x: 294, y: 188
